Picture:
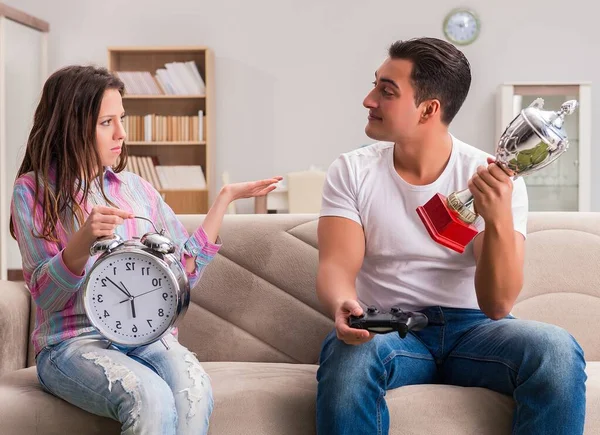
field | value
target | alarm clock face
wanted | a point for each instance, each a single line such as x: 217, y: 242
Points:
x: 131, y: 298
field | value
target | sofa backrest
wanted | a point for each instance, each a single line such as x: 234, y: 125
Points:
x: 562, y: 275
x: 256, y: 301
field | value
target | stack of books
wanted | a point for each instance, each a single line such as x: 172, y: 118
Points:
x: 176, y: 78
x: 167, y: 177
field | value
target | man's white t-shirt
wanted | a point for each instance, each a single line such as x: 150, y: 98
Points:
x: 403, y: 266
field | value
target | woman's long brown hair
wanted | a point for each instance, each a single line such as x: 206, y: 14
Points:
x: 63, y: 140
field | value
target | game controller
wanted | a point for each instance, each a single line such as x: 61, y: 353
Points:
x: 382, y: 322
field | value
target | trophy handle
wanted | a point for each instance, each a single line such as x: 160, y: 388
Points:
x: 538, y: 103
x: 568, y: 107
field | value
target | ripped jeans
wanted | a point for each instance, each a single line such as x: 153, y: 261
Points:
x: 149, y: 389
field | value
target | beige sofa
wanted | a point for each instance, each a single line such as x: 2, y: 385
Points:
x: 256, y: 324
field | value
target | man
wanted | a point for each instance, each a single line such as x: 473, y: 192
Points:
x: 374, y: 250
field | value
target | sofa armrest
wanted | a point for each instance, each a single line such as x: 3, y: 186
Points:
x: 14, y: 325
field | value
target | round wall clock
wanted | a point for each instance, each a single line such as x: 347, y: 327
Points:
x: 461, y: 26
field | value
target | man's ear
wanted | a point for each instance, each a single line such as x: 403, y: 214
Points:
x: 429, y: 109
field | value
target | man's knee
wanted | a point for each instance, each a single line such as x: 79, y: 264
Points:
x: 551, y: 342
x: 343, y: 366
x: 556, y: 356
x: 337, y: 353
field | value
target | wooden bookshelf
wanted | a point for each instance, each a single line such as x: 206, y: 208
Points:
x: 172, y: 152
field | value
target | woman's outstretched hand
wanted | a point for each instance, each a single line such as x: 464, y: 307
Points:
x: 231, y: 192
x: 250, y: 189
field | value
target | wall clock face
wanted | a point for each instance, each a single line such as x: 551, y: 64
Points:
x: 461, y: 26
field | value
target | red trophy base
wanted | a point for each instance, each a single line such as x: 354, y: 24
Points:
x: 444, y: 226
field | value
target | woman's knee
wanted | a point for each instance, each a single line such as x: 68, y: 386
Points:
x: 146, y: 403
x: 196, y: 402
x: 194, y: 398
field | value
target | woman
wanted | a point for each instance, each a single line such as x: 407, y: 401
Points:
x: 70, y: 190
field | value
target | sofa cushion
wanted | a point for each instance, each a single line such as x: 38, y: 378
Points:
x: 274, y: 398
x: 27, y: 410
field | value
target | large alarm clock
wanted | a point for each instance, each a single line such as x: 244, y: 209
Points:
x: 136, y: 290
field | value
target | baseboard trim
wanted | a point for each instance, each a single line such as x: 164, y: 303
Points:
x: 15, y: 275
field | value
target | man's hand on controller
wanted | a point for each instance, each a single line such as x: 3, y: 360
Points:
x: 344, y: 332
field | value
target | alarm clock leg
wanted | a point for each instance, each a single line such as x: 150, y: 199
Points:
x: 164, y: 342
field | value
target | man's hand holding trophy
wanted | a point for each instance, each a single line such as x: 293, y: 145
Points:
x: 532, y: 140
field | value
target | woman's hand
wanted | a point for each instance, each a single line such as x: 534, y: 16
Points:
x: 102, y: 221
x: 231, y: 192
x: 250, y: 189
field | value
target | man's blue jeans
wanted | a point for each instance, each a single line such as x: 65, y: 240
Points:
x: 540, y: 365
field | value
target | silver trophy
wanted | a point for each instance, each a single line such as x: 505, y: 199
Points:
x: 532, y: 140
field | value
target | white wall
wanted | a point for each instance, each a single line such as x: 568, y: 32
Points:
x: 291, y: 74
x: 23, y: 51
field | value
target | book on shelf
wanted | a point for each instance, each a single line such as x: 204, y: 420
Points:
x: 176, y: 78
x: 164, y: 128
x: 167, y: 177
x: 139, y: 83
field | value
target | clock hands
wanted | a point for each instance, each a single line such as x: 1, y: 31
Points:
x: 145, y: 293
x: 126, y: 293
x: 131, y: 298
x: 123, y: 290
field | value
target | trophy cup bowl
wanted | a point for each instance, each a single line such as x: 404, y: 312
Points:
x: 532, y: 140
